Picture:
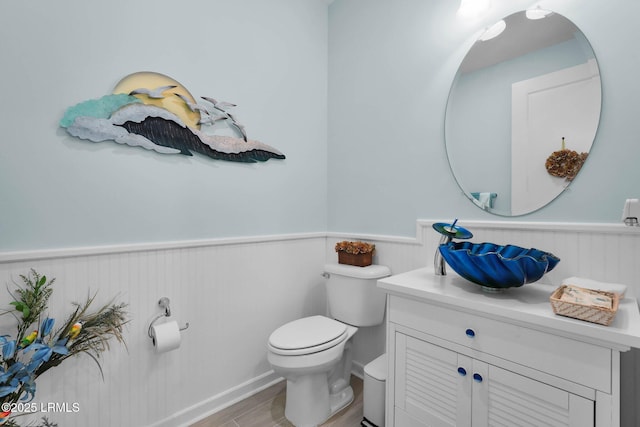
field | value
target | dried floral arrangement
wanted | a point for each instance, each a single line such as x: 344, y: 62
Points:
x: 565, y: 163
x: 355, y: 247
x: 38, y: 347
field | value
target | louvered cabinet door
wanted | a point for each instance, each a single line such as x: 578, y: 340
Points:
x: 502, y: 398
x: 432, y: 385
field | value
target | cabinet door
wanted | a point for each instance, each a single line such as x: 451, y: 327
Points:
x: 503, y: 398
x: 432, y: 385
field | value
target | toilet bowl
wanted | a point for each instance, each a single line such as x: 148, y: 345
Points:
x: 314, y: 353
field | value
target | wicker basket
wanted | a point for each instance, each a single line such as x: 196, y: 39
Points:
x: 600, y: 315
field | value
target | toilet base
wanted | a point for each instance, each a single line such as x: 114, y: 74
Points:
x: 341, y: 400
x: 309, y: 402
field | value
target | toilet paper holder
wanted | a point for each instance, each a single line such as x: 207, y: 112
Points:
x: 164, y: 304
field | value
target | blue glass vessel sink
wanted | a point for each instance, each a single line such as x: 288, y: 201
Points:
x: 496, y: 267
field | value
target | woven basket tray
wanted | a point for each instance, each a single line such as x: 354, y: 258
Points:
x: 600, y: 315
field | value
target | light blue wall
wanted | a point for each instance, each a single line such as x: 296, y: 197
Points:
x: 57, y: 191
x: 372, y: 162
x: 391, y: 63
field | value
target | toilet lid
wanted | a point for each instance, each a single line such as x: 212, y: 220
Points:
x: 307, y: 335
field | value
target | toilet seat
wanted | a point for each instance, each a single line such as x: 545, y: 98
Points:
x: 307, y: 335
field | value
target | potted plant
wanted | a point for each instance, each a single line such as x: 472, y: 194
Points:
x: 355, y: 253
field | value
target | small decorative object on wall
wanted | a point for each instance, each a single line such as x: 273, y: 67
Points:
x: 155, y: 112
x: 38, y: 346
x: 355, y: 253
x: 565, y: 163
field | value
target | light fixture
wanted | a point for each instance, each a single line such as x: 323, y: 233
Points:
x: 537, y: 13
x: 494, y: 31
x: 473, y: 8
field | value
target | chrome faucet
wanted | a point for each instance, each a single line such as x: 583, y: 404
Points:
x: 448, y: 231
x: 439, y: 265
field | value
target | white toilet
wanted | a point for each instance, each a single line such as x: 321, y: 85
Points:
x: 314, y: 353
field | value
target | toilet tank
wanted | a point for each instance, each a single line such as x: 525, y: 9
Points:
x: 352, y: 294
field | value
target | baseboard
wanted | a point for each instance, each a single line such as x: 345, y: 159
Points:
x: 197, y: 412
x: 357, y: 369
x: 223, y: 400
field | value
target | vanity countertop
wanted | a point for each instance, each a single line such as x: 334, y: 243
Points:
x: 527, y: 306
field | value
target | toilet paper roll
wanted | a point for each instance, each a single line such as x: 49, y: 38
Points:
x: 166, y: 336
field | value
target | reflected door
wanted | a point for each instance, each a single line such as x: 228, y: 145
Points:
x: 545, y: 109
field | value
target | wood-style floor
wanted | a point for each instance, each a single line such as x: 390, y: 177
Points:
x: 266, y: 409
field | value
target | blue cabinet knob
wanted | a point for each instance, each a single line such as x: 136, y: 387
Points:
x: 462, y: 371
x: 470, y: 333
x: 477, y: 378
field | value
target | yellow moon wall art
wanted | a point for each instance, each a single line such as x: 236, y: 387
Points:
x: 155, y: 112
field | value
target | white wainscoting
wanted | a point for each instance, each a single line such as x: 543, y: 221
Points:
x: 606, y: 252
x: 235, y: 292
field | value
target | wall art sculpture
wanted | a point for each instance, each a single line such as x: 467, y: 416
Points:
x: 155, y: 112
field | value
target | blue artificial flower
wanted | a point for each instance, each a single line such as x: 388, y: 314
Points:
x: 47, y: 325
x: 12, y: 378
x: 6, y: 390
x: 8, y: 349
x: 42, y: 354
x: 29, y: 387
x: 20, y: 374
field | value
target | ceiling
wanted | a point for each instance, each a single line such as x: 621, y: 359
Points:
x: 521, y: 36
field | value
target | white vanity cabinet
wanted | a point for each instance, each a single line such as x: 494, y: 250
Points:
x: 461, y: 357
x: 435, y: 386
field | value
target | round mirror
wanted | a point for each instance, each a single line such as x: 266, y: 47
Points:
x: 523, y: 112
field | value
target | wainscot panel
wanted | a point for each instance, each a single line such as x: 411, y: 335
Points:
x: 233, y: 293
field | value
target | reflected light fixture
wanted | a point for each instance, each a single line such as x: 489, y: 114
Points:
x: 494, y: 31
x: 537, y: 13
x: 472, y: 8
